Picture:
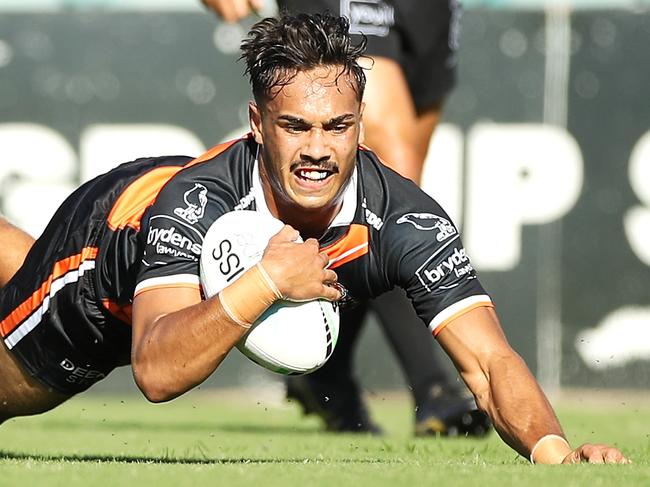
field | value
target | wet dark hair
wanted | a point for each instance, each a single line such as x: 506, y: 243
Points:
x: 276, y: 49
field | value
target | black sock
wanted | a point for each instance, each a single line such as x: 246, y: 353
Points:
x: 419, y: 356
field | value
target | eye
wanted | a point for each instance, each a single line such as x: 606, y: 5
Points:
x: 295, y: 128
x: 339, y: 128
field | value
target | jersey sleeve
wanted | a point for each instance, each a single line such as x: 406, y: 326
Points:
x: 172, y: 234
x: 426, y: 257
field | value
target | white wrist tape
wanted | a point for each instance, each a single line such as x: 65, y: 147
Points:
x: 249, y: 296
x: 231, y: 314
x: 544, y: 440
x: 269, y: 281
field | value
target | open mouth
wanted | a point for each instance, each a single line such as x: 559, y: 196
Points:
x: 314, y: 175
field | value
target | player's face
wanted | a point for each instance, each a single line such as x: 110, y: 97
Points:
x: 309, y: 134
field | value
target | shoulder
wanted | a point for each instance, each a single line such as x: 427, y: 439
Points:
x: 206, y: 187
x: 222, y: 172
x: 390, y: 196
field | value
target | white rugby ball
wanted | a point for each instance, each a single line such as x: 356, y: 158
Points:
x: 290, y: 337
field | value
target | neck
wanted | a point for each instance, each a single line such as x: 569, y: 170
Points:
x: 311, y: 223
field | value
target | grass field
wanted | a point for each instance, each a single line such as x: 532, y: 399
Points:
x: 227, y: 438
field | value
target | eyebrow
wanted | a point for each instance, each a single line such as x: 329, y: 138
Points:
x: 333, y: 121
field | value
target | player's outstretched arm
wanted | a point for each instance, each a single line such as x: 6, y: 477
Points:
x: 234, y: 10
x: 179, y: 340
x: 505, y: 388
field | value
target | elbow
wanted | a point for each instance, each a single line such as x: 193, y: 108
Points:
x: 151, y: 385
x: 155, y: 394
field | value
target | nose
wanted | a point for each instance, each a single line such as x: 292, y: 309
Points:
x: 316, y: 147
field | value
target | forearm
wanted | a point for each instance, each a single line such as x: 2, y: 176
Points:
x: 504, y: 388
x: 520, y: 411
x: 182, y: 348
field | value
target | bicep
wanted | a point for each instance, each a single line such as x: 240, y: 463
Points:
x: 150, y: 305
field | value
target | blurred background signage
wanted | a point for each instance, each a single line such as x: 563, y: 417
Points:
x: 543, y: 159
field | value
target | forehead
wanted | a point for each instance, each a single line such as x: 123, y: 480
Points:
x: 322, y: 91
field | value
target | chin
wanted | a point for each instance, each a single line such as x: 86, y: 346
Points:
x: 313, y: 204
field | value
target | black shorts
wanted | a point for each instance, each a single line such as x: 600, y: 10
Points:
x: 51, y: 318
x: 422, y: 36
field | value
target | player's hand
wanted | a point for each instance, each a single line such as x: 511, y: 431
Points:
x: 595, y: 454
x: 234, y: 10
x: 299, y: 269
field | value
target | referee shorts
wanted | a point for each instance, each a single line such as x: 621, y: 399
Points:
x: 421, y: 36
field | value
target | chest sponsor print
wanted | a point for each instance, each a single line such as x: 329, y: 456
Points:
x: 166, y: 239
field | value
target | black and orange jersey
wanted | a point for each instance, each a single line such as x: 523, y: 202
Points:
x: 66, y: 313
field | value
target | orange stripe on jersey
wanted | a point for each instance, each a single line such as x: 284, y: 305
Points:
x: 138, y: 196
x: 141, y: 193
x: 352, y: 246
x: 60, y: 268
x: 215, y: 151
x: 442, y: 325
x: 122, y: 313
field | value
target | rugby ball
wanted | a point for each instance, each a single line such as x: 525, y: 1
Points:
x: 289, y: 337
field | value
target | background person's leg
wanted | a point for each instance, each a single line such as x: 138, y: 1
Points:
x: 332, y: 391
x: 443, y: 406
x: 389, y: 118
x: 401, y: 137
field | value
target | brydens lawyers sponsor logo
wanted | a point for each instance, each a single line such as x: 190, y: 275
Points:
x: 161, y: 237
x: 430, y: 222
x: 457, y: 263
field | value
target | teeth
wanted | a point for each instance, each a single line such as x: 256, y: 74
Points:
x: 313, y: 175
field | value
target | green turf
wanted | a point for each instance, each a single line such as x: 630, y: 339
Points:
x: 232, y: 439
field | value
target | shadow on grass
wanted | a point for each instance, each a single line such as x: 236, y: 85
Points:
x: 113, y: 426
x: 6, y: 455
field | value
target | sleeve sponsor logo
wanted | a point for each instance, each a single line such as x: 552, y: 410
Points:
x: 195, y: 199
x: 373, y: 220
x: 457, y: 265
x: 430, y: 222
x: 169, y: 241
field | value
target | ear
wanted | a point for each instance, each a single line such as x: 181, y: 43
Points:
x: 255, y: 120
x: 362, y: 129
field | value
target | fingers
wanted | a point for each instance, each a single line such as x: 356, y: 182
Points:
x: 596, y: 454
x: 330, y: 293
x: 331, y: 290
x: 330, y: 276
x: 613, y: 455
x: 233, y: 10
x: 286, y: 234
x: 299, y: 269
